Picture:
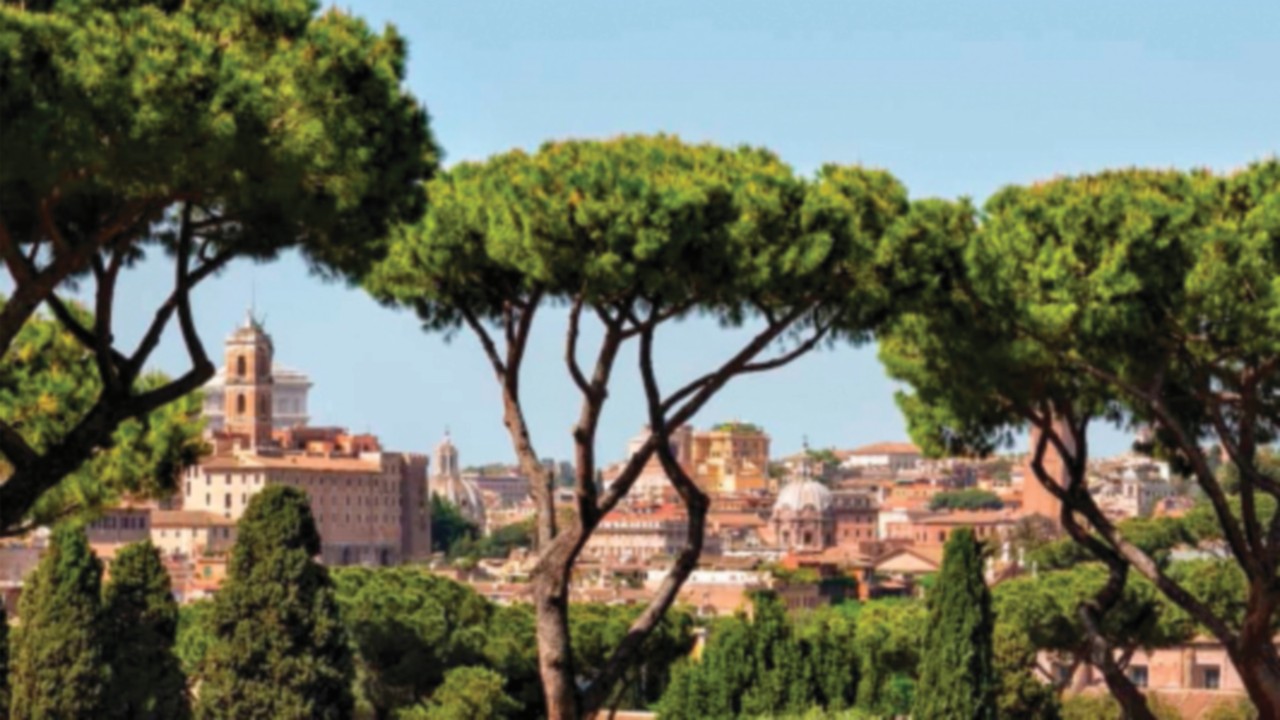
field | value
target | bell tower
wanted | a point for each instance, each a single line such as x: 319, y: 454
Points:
x: 247, y: 394
x: 1036, y: 499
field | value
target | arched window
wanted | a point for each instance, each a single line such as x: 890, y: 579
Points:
x: 240, y: 366
x: 240, y: 401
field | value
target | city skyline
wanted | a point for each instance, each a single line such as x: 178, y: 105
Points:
x: 992, y: 96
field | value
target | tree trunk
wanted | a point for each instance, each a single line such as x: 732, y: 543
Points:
x: 555, y: 654
x: 1257, y: 661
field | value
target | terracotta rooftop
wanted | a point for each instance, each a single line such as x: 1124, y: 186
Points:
x: 734, y: 519
x: 841, y: 557
x: 188, y: 518
x: 294, y: 462
x: 929, y: 553
x: 886, y: 448
x: 968, y: 517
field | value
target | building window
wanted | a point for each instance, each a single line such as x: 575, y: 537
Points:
x: 240, y: 367
x: 240, y: 403
x: 1138, y: 675
x: 228, y: 500
x: 1210, y: 677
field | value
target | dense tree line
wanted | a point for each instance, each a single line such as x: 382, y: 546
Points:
x: 966, y: 499
x: 769, y: 664
x: 976, y: 651
x: 496, y: 544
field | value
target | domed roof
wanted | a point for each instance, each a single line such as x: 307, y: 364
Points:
x: 464, y: 494
x: 803, y: 495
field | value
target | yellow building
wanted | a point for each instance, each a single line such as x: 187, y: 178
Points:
x: 730, y: 458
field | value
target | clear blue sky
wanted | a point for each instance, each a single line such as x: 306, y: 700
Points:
x: 954, y: 98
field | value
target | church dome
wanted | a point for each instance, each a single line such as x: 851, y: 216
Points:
x: 463, y: 494
x: 803, y: 495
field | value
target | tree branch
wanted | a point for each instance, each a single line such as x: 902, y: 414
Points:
x: 696, y: 506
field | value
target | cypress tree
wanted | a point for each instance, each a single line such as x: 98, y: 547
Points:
x: 59, y: 664
x: 142, y: 624
x: 782, y: 682
x: 279, y: 650
x: 957, y: 674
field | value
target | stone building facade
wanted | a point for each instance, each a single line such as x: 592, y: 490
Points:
x: 730, y: 458
x: 370, y: 505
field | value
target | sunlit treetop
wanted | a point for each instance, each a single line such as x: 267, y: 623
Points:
x: 1137, y: 273
x: 292, y: 127
x: 640, y: 220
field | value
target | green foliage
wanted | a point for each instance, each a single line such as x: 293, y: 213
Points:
x: 48, y: 383
x: 59, y: 667
x: 511, y: 650
x: 1201, y: 522
x: 957, y: 675
x: 827, y: 636
x: 1268, y: 463
x: 497, y: 544
x: 596, y: 629
x: 279, y: 648
x: 1238, y: 709
x: 733, y: 426
x: 1218, y: 583
x: 468, y: 693
x: 1100, y: 706
x: 768, y: 666
x: 194, y: 637
x: 606, y: 221
x: 1154, y: 536
x: 888, y: 643
x: 782, y: 681
x: 448, y: 526
x: 408, y: 628
x: 1022, y: 693
x: 294, y: 125
x: 1091, y: 706
x: 1044, y: 609
x: 142, y: 625
x: 967, y: 499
